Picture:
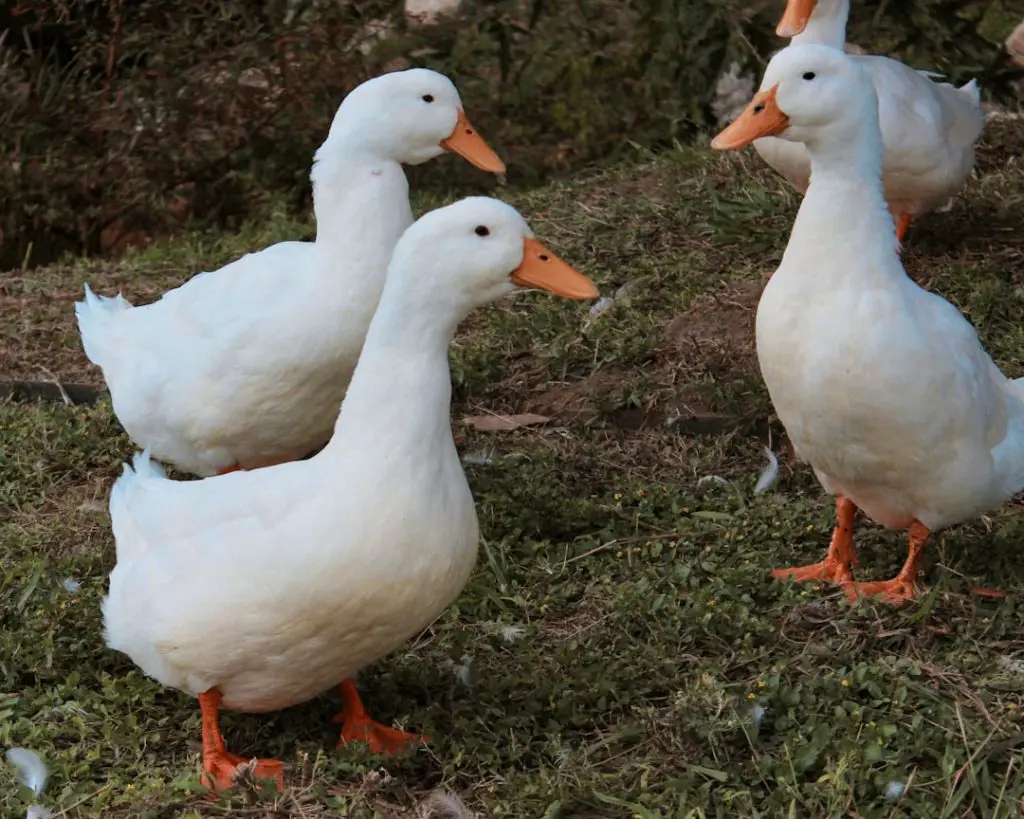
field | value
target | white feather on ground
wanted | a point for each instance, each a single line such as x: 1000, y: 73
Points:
x: 712, y: 479
x: 445, y: 805
x: 511, y: 634
x: 622, y: 296
x: 32, y: 772
x: 464, y: 670
x: 483, y: 458
x: 769, y: 475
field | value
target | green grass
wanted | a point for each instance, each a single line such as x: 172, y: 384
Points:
x: 649, y: 627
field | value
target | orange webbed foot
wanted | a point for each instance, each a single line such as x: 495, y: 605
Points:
x: 358, y: 727
x: 229, y: 469
x: 837, y: 567
x: 222, y: 767
x: 895, y: 592
x: 901, y: 588
x: 381, y: 739
x: 827, y: 571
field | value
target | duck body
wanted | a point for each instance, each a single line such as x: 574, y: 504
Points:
x: 884, y: 388
x: 246, y: 366
x: 274, y: 585
x: 929, y: 129
x: 258, y: 590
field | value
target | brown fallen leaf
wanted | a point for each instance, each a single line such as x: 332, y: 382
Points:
x: 984, y: 591
x: 500, y: 423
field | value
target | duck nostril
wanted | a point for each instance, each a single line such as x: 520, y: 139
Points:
x: 544, y: 257
x: 759, y: 108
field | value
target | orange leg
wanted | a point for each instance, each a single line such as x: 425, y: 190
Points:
x: 358, y: 727
x: 901, y: 587
x: 902, y: 223
x: 837, y: 567
x: 229, y: 469
x: 219, y: 765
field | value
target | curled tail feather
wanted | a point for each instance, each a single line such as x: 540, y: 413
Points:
x: 128, y: 540
x: 972, y: 91
x: 96, y: 320
x: 145, y: 466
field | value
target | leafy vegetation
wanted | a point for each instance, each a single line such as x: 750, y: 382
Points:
x: 129, y: 119
x: 620, y: 650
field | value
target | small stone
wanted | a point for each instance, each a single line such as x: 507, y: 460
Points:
x: 426, y: 12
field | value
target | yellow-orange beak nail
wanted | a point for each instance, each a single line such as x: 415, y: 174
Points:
x: 761, y: 118
x: 795, y: 17
x: 468, y: 144
x: 542, y: 269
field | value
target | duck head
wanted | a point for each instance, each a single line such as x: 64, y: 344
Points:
x: 809, y: 93
x: 411, y: 116
x: 475, y: 251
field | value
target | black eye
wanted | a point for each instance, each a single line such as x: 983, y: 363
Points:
x: 809, y: 75
x: 428, y: 97
x: 482, y: 230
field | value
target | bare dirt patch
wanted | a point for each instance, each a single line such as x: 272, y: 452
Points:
x: 715, y: 335
x: 578, y: 400
x: 708, y: 345
x: 650, y: 186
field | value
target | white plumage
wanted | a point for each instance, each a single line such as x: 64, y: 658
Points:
x: 883, y: 387
x: 246, y: 366
x: 929, y: 129
x: 273, y: 585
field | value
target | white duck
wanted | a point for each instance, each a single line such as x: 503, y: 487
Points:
x: 884, y: 388
x: 929, y: 129
x: 258, y: 590
x: 246, y: 366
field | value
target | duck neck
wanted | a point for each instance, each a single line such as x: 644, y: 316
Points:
x: 850, y: 154
x: 401, y: 387
x: 358, y: 195
x: 827, y: 25
x: 844, y: 209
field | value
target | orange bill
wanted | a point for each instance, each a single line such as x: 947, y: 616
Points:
x: 795, y: 17
x: 542, y: 269
x: 468, y: 144
x: 761, y: 118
